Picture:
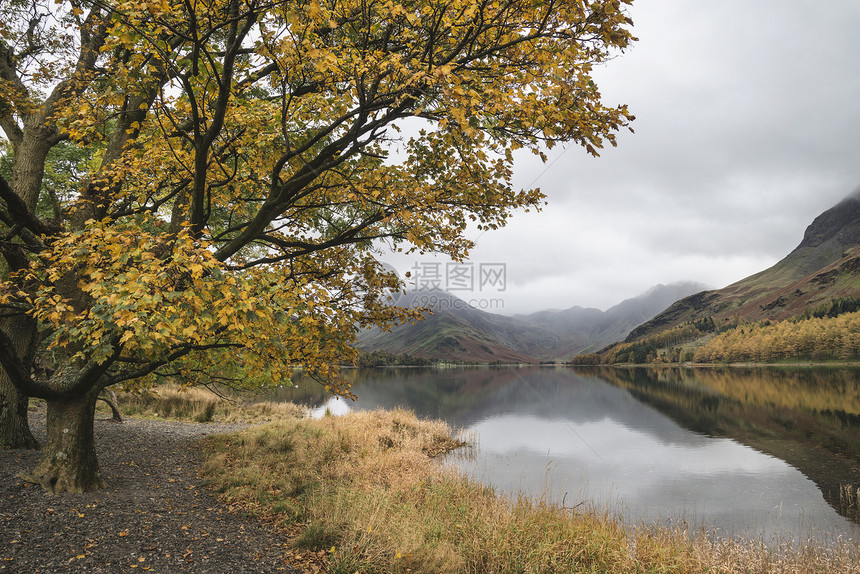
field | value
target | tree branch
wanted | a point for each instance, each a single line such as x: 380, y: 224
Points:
x: 18, y: 372
x: 20, y: 214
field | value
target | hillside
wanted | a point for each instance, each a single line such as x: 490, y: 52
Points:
x: 582, y: 330
x: 452, y: 330
x: 825, y: 266
x: 456, y: 331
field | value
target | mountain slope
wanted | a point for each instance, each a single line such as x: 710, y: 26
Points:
x: 578, y: 330
x: 456, y: 331
x: 823, y: 267
x: 452, y: 330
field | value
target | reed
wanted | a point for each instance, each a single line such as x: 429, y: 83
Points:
x: 364, y: 491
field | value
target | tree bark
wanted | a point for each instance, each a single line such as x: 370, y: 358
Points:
x: 14, y: 427
x: 111, y: 401
x: 69, y: 462
x: 28, y: 171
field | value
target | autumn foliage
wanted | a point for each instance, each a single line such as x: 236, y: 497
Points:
x: 231, y: 167
x: 815, y: 338
x: 812, y: 337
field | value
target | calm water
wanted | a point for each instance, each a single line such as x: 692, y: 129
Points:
x: 761, y: 452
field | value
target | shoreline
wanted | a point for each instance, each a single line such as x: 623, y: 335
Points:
x: 155, y: 514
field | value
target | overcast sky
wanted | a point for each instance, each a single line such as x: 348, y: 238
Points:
x: 748, y: 126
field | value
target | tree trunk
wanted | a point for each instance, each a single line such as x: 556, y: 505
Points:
x: 68, y: 462
x: 111, y: 401
x: 14, y: 428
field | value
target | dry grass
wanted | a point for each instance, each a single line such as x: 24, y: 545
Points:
x: 366, y: 491
x: 201, y: 405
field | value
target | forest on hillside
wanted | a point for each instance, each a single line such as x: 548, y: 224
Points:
x: 827, y: 334
x: 814, y: 338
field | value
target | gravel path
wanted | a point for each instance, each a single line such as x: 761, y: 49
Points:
x: 154, y: 515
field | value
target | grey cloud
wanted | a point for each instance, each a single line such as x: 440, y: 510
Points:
x: 748, y: 126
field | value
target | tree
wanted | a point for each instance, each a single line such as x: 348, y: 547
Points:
x: 63, y: 169
x: 240, y: 177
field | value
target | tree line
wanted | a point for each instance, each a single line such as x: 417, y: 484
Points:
x: 828, y: 333
x: 385, y: 359
x: 814, y: 338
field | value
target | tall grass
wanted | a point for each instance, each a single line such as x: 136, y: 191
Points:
x: 368, y: 495
x: 170, y: 401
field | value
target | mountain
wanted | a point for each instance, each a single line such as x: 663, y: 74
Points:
x: 452, y: 330
x: 456, y: 331
x: 824, y: 267
x: 583, y: 330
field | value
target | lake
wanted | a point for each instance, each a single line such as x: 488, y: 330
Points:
x: 772, y: 453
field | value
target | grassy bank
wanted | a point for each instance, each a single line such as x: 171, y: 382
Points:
x: 199, y: 404
x: 362, y: 493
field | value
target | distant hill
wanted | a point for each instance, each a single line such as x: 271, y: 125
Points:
x: 824, y: 267
x: 452, y: 330
x: 583, y: 330
x: 456, y: 331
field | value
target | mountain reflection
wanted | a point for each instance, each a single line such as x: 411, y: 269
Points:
x: 807, y: 417
x: 735, y: 450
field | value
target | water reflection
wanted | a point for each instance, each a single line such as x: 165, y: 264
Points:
x: 807, y: 417
x: 758, y: 452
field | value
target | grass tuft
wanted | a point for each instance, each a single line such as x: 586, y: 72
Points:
x: 369, y: 496
x: 170, y: 401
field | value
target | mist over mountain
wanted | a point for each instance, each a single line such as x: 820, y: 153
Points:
x: 454, y: 330
x: 827, y: 237
x: 823, y: 268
